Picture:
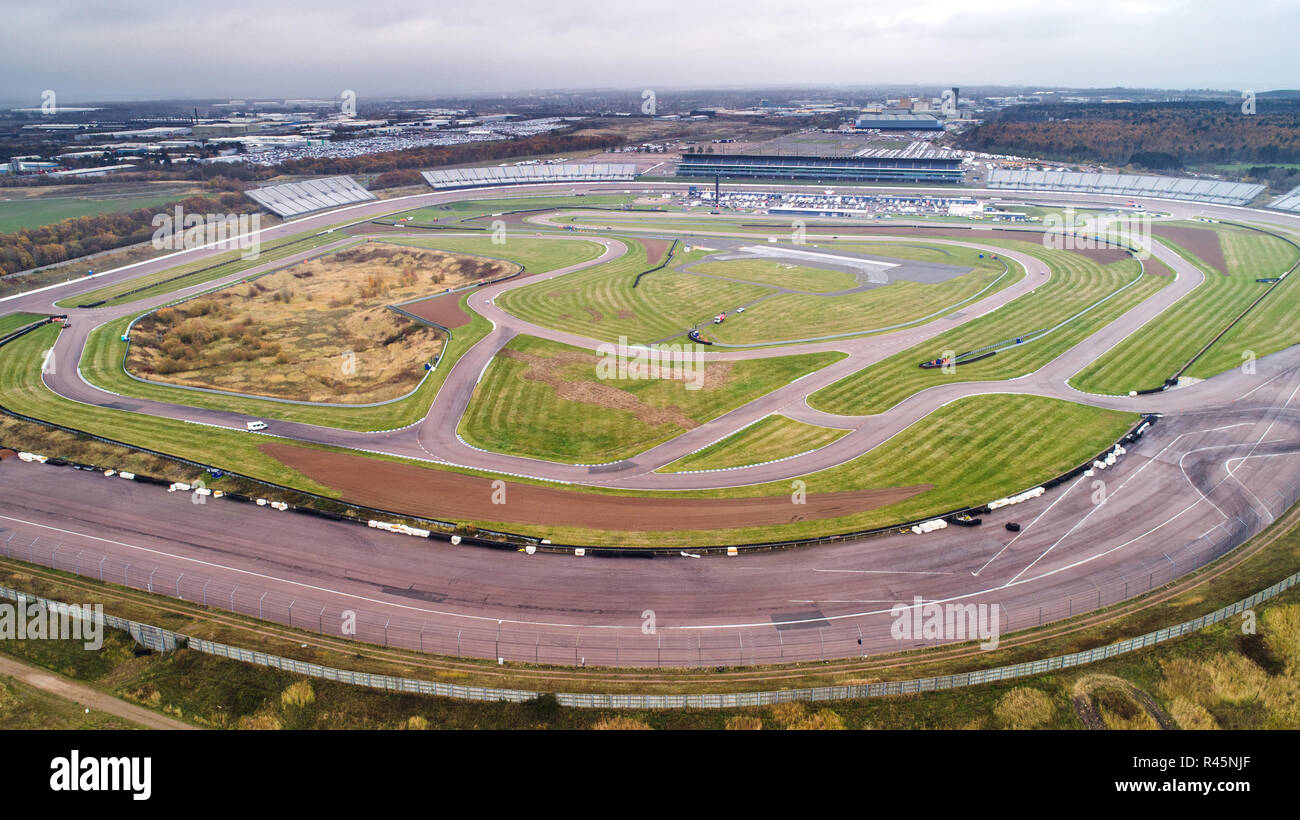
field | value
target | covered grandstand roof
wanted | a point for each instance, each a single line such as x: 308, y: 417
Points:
x: 519, y: 174
x: 1290, y: 201
x: 294, y: 198
x: 1198, y: 190
x: 892, y: 166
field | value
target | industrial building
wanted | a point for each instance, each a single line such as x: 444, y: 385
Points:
x: 879, y: 166
x: 899, y: 121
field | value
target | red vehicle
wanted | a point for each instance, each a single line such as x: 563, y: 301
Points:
x: 720, y: 318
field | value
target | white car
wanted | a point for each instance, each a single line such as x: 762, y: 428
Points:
x: 256, y: 425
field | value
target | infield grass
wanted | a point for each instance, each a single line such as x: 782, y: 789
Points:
x: 1151, y: 355
x: 1076, y: 283
x: 541, y: 399
x: 771, y: 438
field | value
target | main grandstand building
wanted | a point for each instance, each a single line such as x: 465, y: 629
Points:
x: 881, y: 165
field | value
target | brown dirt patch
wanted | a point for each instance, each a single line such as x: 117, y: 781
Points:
x: 442, y: 310
x: 550, y: 370
x: 656, y: 249
x: 406, y: 488
x: 1202, y: 242
x: 594, y: 315
x: 1155, y: 267
x: 626, y: 314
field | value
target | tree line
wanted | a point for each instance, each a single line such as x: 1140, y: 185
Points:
x: 84, y: 235
x: 1158, y: 136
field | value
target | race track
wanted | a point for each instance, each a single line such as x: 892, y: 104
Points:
x: 1222, y: 463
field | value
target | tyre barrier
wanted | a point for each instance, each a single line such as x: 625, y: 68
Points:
x: 929, y: 526
x: 668, y: 257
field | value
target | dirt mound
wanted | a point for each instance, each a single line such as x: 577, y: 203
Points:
x: 406, y: 488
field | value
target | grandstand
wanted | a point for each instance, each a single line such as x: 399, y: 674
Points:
x: 869, y: 166
x: 1290, y: 201
x: 1198, y: 190
x: 294, y: 198
x: 522, y: 174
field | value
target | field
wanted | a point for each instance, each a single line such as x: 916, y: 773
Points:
x: 33, y: 212
x: 102, y: 362
x: 934, y: 466
x: 546, y: 400
x: 1153, y: 354
x: 319, y: 331
x: 772, y: 437
x: 537, y: 255
x: 1077, y: 283
x: 600, y: 302
x: 15, y: 321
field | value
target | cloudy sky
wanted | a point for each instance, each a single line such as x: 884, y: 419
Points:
x: 141, y: 49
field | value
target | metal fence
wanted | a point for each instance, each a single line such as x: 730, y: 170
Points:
x: 164, y: 640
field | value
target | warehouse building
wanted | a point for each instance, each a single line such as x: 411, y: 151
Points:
x: 899, y: 121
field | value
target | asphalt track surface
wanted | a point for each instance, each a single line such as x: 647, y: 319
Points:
x: 1222, y: 463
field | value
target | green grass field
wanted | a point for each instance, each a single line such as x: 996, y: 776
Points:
x: 25, y: 392
x: 601, y: 303
x: 949, y: 449
x: 1153, y: 354
x: 794, y: 316
x: 33, y: 213
x: 1076, y: 283
x: 14, y: 321
x: 780, y: 274
x: 771, y: 438
x: 545, y: 400
x: 536, y: 255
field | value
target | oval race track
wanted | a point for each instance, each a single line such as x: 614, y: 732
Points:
x: 1221, y: 465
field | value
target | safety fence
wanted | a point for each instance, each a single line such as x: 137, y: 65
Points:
x: 163, y: 640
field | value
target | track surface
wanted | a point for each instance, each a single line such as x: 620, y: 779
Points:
x: 1222, y: 464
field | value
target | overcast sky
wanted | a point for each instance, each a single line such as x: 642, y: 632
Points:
x: 142, y: 49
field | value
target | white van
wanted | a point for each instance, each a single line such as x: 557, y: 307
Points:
x: 256, y: 425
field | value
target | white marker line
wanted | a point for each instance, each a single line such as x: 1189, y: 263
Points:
x: 1025, y: 528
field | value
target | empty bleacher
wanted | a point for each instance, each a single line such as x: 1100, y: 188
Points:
x: 294, y: 198
x: 1290, y: 201
x: 522, y: 174
x: 1211, y: 191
